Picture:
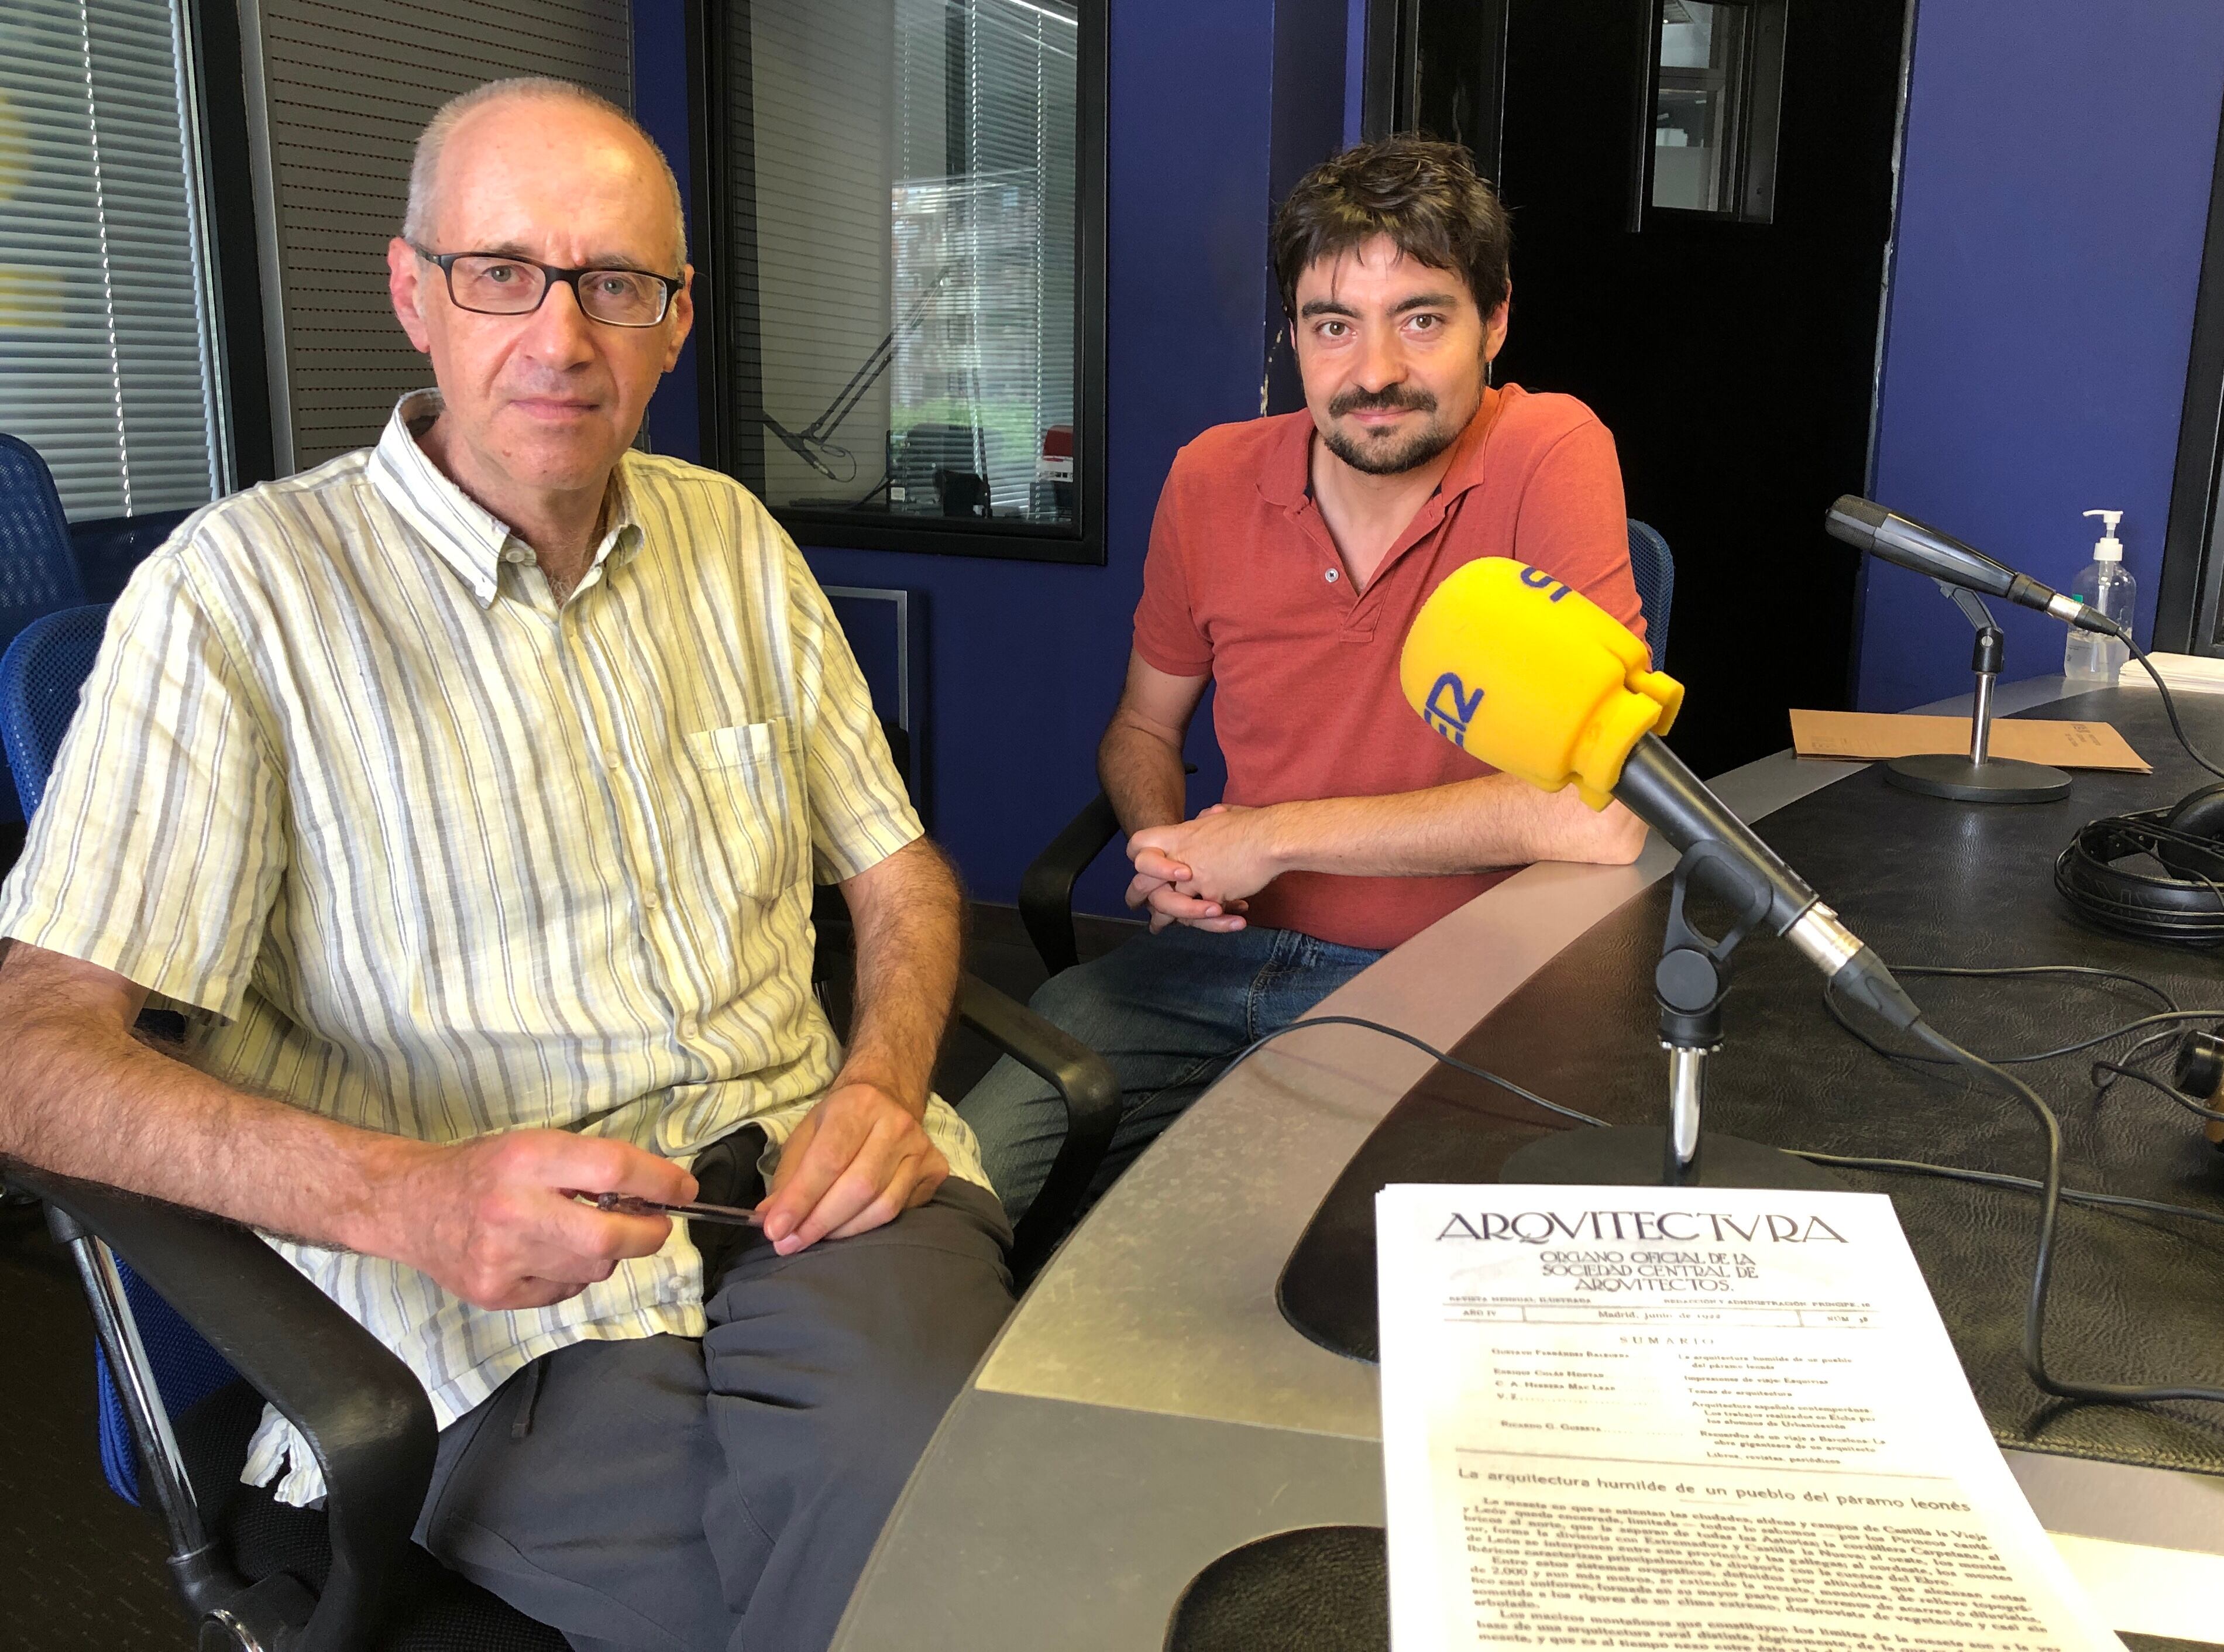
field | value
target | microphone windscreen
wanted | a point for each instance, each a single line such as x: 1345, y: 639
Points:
x: 1532, y: 677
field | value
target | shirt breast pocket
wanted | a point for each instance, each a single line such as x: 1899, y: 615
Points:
x: 756, y: 805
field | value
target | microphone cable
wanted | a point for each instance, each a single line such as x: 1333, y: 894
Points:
x: 2048, y: 1185
x: 2169, y: 706
x: 2041, y: 1271
x: 2170, y: 1015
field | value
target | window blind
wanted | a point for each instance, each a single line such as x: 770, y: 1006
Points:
x: 1002, y: 226
x: 107, y: 357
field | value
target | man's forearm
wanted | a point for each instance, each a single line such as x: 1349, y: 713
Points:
x: 1141, y: 773
x: 907, y: 914
x: 1472, y: 825
x: 85, y: 1098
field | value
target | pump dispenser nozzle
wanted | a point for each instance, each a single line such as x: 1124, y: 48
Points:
x: 2108, y: 547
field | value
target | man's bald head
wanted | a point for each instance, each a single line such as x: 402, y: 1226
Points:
x: 433, y: 142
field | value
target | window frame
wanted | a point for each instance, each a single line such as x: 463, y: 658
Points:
x: 1756, y: 107
x: 2189, y: 594
x: 712, y: 251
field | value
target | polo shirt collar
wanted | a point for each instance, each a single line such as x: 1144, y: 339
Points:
x: 470, y: 540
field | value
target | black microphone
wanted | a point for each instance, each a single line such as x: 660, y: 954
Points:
x: 1869, y: 527
x: 1538, y: 681
x: 1658, y: 789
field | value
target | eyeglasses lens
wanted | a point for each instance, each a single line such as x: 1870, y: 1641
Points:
x: 493, y: 285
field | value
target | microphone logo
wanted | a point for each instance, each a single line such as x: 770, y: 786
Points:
x: 1538, y: 579
x: 1450, y: 708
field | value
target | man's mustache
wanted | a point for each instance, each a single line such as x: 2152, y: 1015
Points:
x: 1393, y: 397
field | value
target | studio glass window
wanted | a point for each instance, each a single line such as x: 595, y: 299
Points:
x: 1715, y: 86
x: 108, y: 346
x: 902, y: 268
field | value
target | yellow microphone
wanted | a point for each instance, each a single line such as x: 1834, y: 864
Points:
x: 1533, y: 677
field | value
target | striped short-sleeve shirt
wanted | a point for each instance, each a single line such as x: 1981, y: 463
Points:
x: 422, y: 848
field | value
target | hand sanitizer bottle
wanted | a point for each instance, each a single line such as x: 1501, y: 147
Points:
x: 2089, y: 658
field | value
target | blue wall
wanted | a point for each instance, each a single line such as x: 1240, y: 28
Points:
x: 660, y: 72
x: 1025, y: 659
x: 2053, y: 192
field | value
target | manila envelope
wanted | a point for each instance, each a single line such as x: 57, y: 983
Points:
x: 1870, y: 735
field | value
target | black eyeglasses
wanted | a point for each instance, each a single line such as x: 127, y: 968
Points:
x: 497, y: 283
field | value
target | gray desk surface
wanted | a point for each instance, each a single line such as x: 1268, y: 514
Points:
x: 1146, y: 1408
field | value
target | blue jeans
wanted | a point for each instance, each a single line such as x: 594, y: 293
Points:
x: 1168, y: 1011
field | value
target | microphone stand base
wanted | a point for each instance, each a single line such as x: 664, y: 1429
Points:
x: 1637, y: 1156
x: 1997, y: 780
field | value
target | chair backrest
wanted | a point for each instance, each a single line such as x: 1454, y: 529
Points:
x: 1654, y: 570
x: 41, y: 675
x: 187, y: 1371
x: 108, y: 549
x: 37, y: 573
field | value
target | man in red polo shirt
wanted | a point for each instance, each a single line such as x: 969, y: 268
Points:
x: 1287, y: 560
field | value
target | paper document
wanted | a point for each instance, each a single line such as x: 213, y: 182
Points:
x: 1707, y: 1418
x: 2198, y: 673
x: 1873, y: 735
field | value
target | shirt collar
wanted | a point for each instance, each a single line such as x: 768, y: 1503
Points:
x: 470, y: 540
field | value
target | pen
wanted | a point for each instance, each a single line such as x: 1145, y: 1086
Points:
x: 630, y: 1205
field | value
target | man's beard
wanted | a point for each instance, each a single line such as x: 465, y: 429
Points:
x: 1409, y: 453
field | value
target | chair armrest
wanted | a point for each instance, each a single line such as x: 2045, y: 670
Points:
x: 363, y: 1412
x: 1092, y: 1109
x: 1046, y: 886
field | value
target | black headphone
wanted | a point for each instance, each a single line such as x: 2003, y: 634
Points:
x: 2184, y: 904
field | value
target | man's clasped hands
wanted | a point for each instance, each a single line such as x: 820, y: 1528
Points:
x: 1199, y: 873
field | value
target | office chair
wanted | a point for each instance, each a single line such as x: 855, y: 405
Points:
x: 1046, y: 886
x: 107, y: 550
x: 1654, y: 571
x: 198, y: 1323
x: 37, y: 573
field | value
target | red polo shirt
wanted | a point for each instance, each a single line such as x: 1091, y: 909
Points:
x: 1243, y: 583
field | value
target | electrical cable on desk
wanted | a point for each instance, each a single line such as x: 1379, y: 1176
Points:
x: 1917, y: 1167
x: 2169, y: 709
x: 2117, y: 1070
x: 2050, y: 1191
x: 2169, y: 1016
x: 2050, y: 1204
x: 2000, y: 1179
x: 1426, y: 1048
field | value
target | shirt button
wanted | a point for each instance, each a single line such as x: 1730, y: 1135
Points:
x: 1331, y: 576
x: 649, y: 902
x: 517, y: 553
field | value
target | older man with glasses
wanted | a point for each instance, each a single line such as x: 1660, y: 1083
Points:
x: 466, y: 795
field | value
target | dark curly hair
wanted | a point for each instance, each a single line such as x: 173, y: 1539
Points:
x: 1424, y: 194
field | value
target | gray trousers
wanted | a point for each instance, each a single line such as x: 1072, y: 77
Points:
x: 721, y: 1495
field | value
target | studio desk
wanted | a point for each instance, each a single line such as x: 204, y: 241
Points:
x: 1151, y: 1405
